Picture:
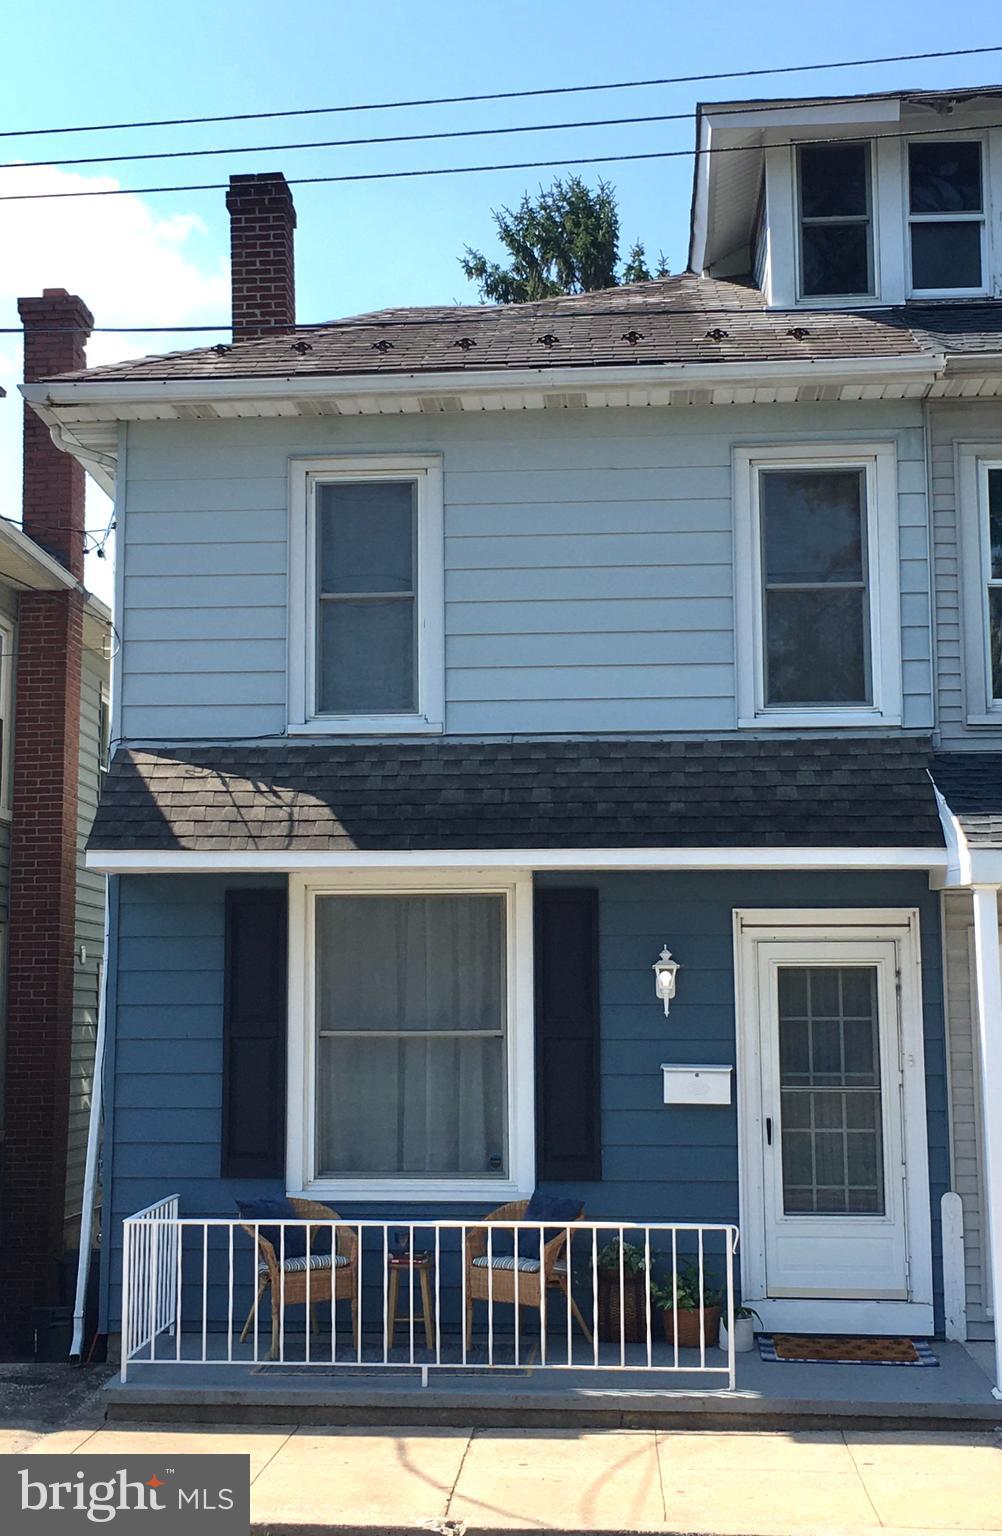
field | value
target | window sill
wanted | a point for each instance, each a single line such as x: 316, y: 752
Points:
x: 820, y: 720
x: 988, y: 717
x: 413, y: 1191
x: 368, y: 725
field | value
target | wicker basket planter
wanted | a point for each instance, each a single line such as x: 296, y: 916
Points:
x: 634, y: 1310
x: 688, y: 1326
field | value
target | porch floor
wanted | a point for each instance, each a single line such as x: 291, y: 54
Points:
x: 767, y: 1394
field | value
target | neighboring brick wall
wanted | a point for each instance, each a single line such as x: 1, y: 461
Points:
x: 43, y: 850
x: 262, y: 226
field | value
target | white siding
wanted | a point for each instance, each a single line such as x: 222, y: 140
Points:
x: 965, y: 1117
x: 588, y: 555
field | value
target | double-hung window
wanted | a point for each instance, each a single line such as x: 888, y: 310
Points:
x: 366, y: 604
x: 946, y: 216
x: 980, y: 504
x: 817, y: 586
x: 414, y: 1052
x: 7, y: 663
x: 836, y: 220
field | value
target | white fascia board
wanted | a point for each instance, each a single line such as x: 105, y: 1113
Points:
x: 699, y: 218
x: 854, y: 114
x: 49, y: 399
x: 195, y: 861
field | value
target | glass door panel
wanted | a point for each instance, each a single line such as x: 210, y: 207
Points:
x: 830, y: 1091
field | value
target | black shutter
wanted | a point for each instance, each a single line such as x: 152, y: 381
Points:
x: 254, y: 1034
x: 568, y: 1128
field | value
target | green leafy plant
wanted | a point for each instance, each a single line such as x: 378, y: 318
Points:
x: 744, y: 1312
x: 684, y: 1292
x: 634, y: 1258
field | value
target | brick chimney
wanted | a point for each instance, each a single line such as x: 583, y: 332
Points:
x: 43, y: 847
x: 262, y: 257
x: 56, y: 328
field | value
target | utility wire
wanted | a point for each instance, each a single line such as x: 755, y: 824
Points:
x: 469, y: 170
x: 553, y: 90
x: 394, y: 138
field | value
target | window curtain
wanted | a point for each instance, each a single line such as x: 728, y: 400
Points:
x: 410, y: 1023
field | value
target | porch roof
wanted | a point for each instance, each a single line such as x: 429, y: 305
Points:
x: 971, y: 785
x: 545, y: 794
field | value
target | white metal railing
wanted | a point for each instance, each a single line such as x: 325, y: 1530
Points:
x: 430, y: 1294
x: 150, y: 1242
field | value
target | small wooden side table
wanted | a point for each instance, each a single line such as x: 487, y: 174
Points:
x: 420, y: 1264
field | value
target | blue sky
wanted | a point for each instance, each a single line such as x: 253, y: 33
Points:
x: 162, y: 259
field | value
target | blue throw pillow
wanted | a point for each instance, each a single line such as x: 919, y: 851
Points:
x: 269, y: 1210
x: 542, y: 1207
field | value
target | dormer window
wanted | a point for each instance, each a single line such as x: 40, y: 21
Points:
x: 836, y: 222
x: 946, y: 216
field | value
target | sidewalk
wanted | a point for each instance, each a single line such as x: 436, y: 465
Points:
x: 809, y: 1483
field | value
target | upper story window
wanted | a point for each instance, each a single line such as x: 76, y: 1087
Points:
x: 365, y: 612
x: 979, y: 478
x: 817, y: 586
x: 946, y: 217
x: 836, y: 223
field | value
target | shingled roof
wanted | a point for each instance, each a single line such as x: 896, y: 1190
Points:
x: 971, y: 785
x: 674, y: 320
x: 630, y: 793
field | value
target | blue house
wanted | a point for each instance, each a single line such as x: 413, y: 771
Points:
x: 472, y: 657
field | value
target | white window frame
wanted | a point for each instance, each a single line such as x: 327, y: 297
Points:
x: 973, y: 461
x: 305, y: 475
x: 814, y: 927
x: 8, y: 639
x: 984, y: 218
x: 878, y: 461
x: 823, y: 299
x: 301, y: 1175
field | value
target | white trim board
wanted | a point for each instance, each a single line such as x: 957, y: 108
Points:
x: 900, y: 926
x: 195, y: 861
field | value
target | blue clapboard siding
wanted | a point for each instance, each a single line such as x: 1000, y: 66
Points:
x: 588, y: 563
x: 659, y: 1164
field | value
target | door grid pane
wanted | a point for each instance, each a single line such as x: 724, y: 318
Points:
x: 830, y: 1106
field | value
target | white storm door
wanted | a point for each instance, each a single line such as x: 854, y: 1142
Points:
x: 833, y: 1154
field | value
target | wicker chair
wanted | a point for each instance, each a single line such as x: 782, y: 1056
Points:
x: 300, y: 1282
x: 497, y: 1279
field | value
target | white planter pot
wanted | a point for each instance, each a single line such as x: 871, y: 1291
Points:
x: 744, y: 1335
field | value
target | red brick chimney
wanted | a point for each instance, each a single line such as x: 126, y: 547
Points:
x: 43, y: 873
x: 262, y: 256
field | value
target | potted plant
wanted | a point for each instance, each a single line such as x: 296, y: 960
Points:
x: 680, y: 1300
x: 744, y: 1330
x: 630, y: 1261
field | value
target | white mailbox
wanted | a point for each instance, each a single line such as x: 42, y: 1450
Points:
x: 696, y: 1085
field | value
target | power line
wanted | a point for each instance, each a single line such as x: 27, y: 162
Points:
x: 553, y: 90
x: 470, y: 170
x: 395, y: 138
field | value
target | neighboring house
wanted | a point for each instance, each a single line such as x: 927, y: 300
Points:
x: 490, y: 650
x: 54, y: 713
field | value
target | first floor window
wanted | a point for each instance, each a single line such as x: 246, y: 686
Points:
x: 816, y: 621
x: 411, y: 1006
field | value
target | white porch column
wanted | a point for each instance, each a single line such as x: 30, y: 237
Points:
x: 988, y: 968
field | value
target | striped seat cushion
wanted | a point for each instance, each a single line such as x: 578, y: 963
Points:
x: 507, y: 1261
x: 315, y: 1261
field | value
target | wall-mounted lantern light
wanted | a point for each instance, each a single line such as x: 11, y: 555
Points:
x: 665, y: 970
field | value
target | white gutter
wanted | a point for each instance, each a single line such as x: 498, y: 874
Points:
x: 186, y: 860
x: 52, y: 397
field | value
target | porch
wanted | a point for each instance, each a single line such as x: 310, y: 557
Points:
x: 594, y: 1328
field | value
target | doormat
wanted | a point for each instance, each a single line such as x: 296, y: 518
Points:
x: 842, y: 1349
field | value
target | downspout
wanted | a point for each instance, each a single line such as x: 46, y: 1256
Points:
x: 93, y: 1147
